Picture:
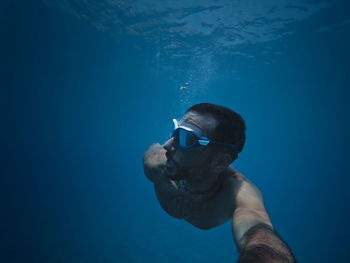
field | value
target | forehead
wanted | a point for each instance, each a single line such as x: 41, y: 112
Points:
x: 205, y: 124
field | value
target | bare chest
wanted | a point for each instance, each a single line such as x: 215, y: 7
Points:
x: 203, y: 211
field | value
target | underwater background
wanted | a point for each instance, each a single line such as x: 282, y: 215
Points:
x: 87, y: 86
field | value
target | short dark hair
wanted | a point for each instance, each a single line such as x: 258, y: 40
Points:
x: 230, y: 128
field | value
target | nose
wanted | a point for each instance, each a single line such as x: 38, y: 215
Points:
x: 169, y: 145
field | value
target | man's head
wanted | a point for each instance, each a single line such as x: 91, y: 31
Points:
x: 230, y: 128
x: 224, y: 128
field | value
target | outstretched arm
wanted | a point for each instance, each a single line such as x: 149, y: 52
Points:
x: 254, y: 235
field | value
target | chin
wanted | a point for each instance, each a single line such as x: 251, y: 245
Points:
x: 173, y: 175
x: 175, y: 178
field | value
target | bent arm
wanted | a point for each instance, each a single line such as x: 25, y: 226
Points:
x: 254, y: 235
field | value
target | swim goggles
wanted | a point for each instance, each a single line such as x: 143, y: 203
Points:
x: 186, y: 138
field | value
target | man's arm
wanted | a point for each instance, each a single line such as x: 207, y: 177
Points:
x: 254, y: 235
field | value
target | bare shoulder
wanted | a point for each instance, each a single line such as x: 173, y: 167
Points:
x: 249, y: 208
x: 244, y: 192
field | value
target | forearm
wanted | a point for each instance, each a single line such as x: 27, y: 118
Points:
x: 245, y: 218
x: 262, y: 244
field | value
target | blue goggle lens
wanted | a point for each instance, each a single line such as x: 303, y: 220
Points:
x: 184, y: 138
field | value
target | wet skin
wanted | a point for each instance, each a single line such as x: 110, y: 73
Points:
x: 200, y: 186
x: 188, y: 183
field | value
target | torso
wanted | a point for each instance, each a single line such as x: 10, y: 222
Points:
x: 201, y: 210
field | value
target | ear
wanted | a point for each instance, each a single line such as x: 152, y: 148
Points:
x: 221, y: 161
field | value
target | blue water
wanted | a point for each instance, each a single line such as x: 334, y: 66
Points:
x: 87, y: 86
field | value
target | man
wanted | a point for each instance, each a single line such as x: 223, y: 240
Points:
x: 194, y: 181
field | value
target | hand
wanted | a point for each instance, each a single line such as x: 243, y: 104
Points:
x: 154, y: 162
x: 155, y: 155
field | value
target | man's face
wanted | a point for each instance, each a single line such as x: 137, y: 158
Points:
x: 192, y: 164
